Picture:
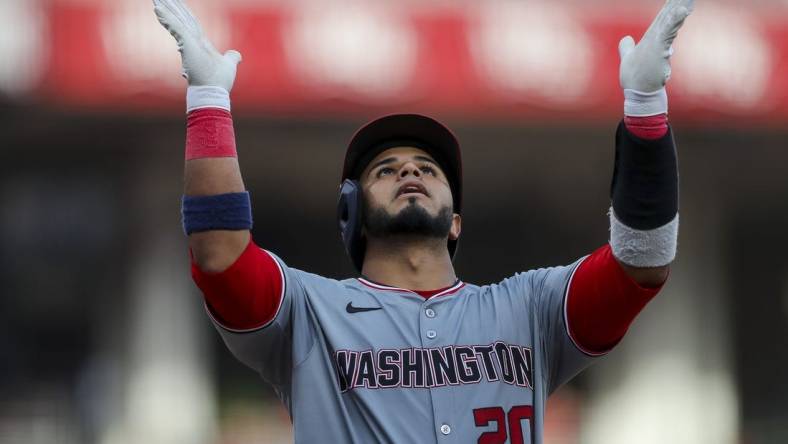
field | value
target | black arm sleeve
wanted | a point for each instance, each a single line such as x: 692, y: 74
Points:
x: 645, y: 186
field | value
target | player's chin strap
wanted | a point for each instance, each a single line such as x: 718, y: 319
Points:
x: 644, y: 217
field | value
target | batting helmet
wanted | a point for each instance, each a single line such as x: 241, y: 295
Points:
x: 372, y: 139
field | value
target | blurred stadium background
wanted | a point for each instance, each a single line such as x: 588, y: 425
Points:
x: 102, y: 334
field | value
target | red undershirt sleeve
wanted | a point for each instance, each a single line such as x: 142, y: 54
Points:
x: 602, y: 302
x: 248, y: 294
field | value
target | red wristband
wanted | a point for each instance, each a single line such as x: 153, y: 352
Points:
x: 209, y: 133
x: 649, y: 127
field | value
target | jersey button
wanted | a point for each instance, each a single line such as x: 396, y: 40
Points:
x: 431, y: 334
x: 445, y: 429
x: 430, y: 313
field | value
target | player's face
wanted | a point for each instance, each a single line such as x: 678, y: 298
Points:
x: 406, y: 186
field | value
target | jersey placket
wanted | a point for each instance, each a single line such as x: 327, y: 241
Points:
x: 431, y: 321
x: 433, y: 327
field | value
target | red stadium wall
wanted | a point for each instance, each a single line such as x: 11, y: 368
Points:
x: 484, y: 60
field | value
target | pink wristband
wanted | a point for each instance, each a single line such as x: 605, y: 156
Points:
x: 209, y: 133
x: 649, y: 127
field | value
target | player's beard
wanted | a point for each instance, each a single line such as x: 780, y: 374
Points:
x: 411, y: 221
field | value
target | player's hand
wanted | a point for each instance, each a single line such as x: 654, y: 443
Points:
x: 203, y: 65
x: 645, y: 67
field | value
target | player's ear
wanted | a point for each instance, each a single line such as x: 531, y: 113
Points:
x: 456, y: 227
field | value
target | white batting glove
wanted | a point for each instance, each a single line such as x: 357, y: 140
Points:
x: 210, y: 74
x: 645, y: 67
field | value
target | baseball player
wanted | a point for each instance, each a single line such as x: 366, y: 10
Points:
x: 408, y: 352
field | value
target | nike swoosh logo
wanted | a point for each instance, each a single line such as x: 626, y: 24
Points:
x: 351, y: 309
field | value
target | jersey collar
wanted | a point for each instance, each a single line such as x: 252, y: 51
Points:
x: 450, y: 290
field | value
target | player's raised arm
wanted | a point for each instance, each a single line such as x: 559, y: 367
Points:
x: 612, y: 285
x: 644, y: 216
x: 242, y: 284
x: 212, y: 175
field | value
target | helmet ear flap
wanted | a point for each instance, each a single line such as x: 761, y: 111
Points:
x: 349, y: 216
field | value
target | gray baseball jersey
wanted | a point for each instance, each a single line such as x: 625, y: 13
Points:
x: 359, y: 362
